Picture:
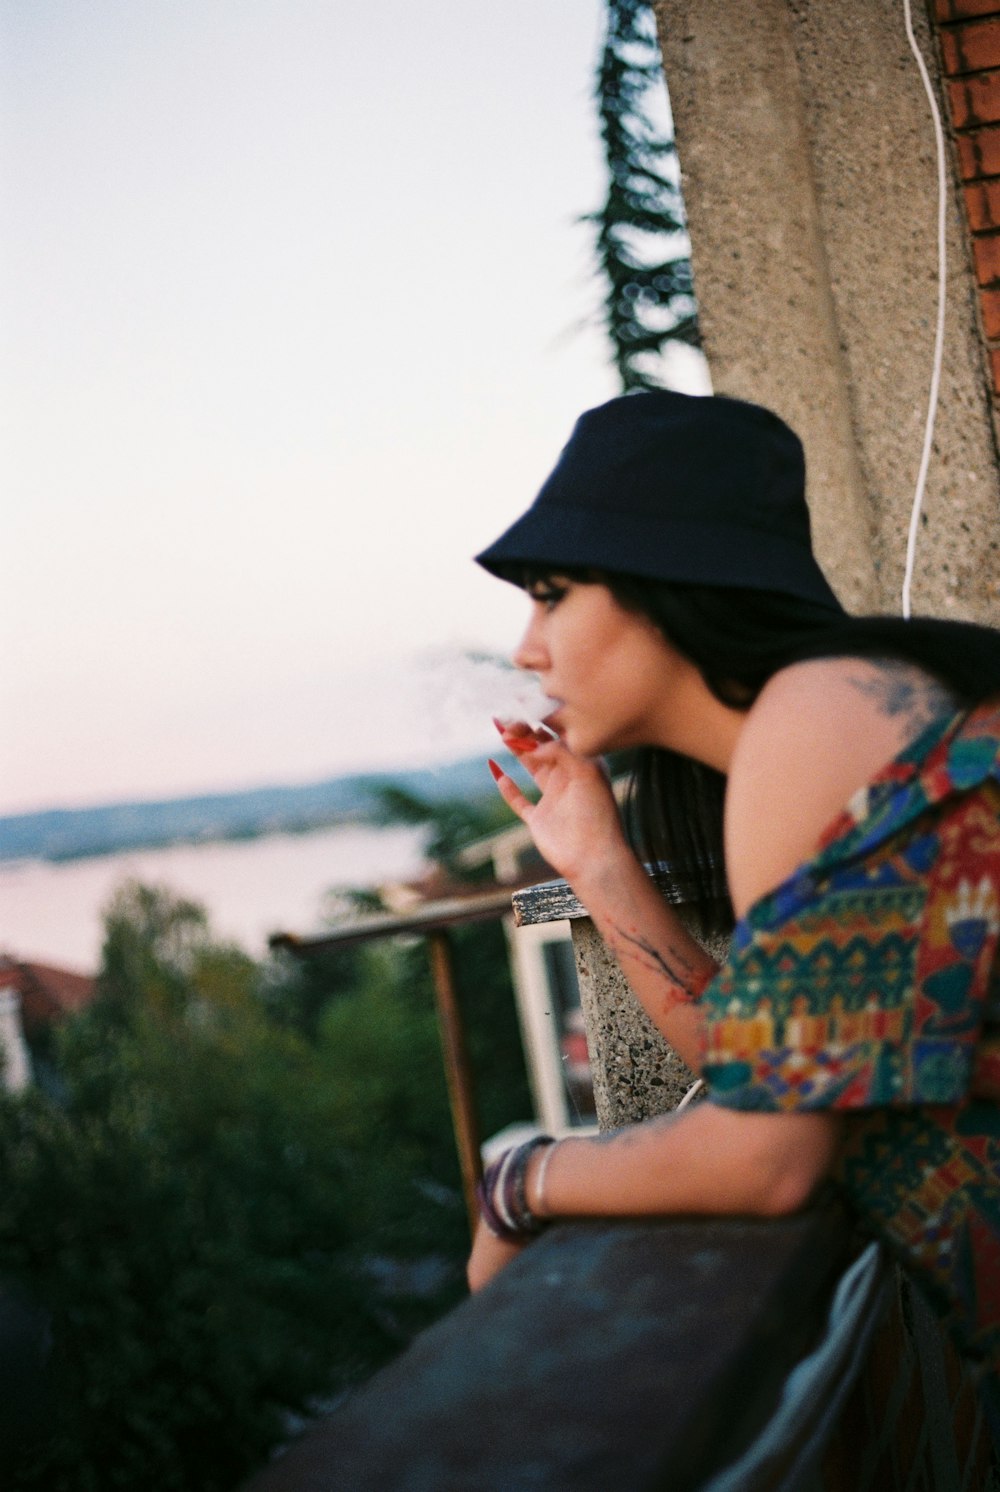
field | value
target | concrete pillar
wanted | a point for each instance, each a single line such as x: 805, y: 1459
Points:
x: 636, y: 1074
x: 808, y: 167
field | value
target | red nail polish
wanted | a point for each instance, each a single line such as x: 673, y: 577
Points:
x: 521, y: 744
x: 497, y: 771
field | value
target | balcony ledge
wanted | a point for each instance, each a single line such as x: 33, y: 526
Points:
x: 637, y: 1355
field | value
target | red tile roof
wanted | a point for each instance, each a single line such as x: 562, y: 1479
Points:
x: 47, y: 993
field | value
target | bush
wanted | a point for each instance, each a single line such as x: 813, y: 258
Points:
x: 180, y: 1211
x: 239, y: 1192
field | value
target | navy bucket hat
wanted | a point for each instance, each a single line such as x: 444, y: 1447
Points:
x: 667, y: 486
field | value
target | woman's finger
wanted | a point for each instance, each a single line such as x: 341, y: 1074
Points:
x: 510, y: 792
x: 524, y: 740
x: 538, y: 761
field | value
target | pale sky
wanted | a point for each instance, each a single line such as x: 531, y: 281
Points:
x: 291, y: 296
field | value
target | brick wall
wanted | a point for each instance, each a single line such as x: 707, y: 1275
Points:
x: 969, y: 39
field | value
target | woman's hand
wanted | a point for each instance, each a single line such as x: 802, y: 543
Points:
x: 489, y: 1255
x: 577, y: 828
x: 575, y: 823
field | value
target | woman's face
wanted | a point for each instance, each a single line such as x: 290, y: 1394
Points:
x: 613, y: 675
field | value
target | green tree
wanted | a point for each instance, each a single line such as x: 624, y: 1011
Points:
x: 240, y: 1193
x: 152, y: 942
x: 380, y: 1048
x: 640, y: 237
x: 182, y: 1211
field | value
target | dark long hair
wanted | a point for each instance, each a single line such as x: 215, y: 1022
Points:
x: 737, y: 639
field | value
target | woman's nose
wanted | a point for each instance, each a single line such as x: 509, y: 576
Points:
x: 529, y: 652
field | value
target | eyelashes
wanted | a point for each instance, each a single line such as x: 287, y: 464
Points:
x: 547, y: 595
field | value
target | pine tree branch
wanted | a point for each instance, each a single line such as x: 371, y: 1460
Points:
x: 650, y: 296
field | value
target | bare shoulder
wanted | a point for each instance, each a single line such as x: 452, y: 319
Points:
x: 818, y: 731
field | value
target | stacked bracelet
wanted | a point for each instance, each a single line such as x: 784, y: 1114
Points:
x: 502, y: 1193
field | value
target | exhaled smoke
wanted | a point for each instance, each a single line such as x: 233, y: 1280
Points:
x: 473, y: 686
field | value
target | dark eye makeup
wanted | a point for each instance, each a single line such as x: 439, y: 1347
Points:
x: 547, y: 592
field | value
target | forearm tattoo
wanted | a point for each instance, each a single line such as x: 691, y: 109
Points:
x: 687, y: 981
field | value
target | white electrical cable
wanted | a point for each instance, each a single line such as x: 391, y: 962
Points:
x: 692, y: 1093
x: 918, y: 497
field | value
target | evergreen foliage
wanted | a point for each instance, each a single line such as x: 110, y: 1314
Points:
x: 180, y: 1212
x: 640, y: 239
x: 239, y: 1193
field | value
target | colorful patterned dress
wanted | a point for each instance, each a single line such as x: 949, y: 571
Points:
x: 869, y: 982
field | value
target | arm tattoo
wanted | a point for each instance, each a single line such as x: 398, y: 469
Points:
x: 681, y: 973
x: 902, y: 689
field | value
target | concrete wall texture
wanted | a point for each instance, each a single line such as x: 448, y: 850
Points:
x: 809, y: 173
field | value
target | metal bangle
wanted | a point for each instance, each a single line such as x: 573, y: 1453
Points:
x: 543, y: 1171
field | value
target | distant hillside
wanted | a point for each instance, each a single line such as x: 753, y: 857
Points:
x: 74, y: 833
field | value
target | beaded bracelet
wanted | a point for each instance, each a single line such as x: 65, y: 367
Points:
x: 502, y: 1194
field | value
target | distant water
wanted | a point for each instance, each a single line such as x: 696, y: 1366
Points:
x: 52, y: 912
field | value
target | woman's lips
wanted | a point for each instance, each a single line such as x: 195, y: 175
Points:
x: 551, y: 720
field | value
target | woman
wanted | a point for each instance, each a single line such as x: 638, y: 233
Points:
x: 846, y: 770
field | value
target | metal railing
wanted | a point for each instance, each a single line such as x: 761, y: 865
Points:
x: 432, y: 921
